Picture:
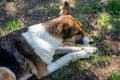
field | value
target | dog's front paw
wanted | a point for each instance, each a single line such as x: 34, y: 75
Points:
x: 88, y: 51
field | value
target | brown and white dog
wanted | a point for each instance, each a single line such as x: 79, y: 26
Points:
x: 29, y: 51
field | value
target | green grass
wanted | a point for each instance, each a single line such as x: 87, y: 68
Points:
x: 13, y: 24
x: 104, y: 20
x: 96, y: 6
x: 116, y: 26
x: 113, y: 7
x: 105, y: 59
x: 61, y: 73
x: 97, y: 40
x: 71, y: 74
x: 43, y: 1
x: 114, y: 76
x: 88, y: 8
x: 109, y: 47
x: 54, y: 8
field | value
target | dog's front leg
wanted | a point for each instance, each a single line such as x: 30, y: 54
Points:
x: 85, y: 53
x: 63, y: 50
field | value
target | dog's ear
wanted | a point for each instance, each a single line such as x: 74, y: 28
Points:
x: 66, y: 9
x: 64, y: 30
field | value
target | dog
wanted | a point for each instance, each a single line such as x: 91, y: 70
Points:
x: 29, y: 51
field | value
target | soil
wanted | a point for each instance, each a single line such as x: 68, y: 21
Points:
x: 31, y: 12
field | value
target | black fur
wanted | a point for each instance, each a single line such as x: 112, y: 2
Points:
x: 10, y: 55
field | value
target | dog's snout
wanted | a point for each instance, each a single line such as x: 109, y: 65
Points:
x: 84, y: 41
x: 79, y: 41
x: 91, y: 41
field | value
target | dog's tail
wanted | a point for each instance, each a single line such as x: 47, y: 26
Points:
x: 6, y: 74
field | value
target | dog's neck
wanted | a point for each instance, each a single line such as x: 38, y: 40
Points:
x: 43, y: 43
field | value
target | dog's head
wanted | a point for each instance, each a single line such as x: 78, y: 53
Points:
x: 70, y: 28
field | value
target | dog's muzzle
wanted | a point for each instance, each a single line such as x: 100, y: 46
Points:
x: 84, y: 41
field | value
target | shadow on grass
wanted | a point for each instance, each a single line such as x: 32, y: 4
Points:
x: 70, y: 74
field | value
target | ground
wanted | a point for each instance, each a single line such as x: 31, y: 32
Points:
x: 100, y: 18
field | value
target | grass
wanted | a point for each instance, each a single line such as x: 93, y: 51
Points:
x: 109, y: 48
x: 114, y: 76
x: 116, y: 26
x: 105, y: 59
x: 43, y: 1
x: 113, y: 7
x: 54, y: 8
x: 88, y: 8
x: 61, y: 73
x: 104, y: 19
x: 13, y: 24
x: 96, y: 6
x: 97, y: 40
x: 71, y: 73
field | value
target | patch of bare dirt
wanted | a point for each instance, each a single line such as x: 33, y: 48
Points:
x: 104, y: 71
x: 28, y: 12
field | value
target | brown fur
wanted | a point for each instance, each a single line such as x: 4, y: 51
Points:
x: 64, y: 26
x: 6, y: 75
x: 66, y: 8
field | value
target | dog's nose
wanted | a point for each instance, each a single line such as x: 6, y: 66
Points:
x: 79, y: 41
x: 91, y: 41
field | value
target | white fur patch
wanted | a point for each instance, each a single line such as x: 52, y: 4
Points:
x: 61, y: 12
x: 42, y: 42
x: 86, y: 40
